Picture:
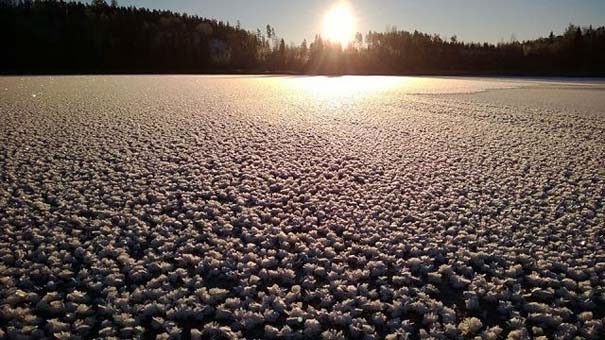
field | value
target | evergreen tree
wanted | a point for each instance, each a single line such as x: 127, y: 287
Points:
x: 97, y: 38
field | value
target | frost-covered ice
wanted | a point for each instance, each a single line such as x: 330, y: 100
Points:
x: 292, y: 207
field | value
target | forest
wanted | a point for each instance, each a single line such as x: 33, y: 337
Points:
x: 58, y: 37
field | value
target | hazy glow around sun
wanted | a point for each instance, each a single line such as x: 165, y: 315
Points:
x: 339, y: 24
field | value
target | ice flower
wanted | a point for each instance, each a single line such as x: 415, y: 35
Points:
x: 470, y: 326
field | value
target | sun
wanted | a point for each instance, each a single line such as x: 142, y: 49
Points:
x: 339, y: 24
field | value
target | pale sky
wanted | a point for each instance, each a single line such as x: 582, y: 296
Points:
x: 470, y: 20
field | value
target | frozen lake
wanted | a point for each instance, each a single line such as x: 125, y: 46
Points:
x: 278, y: 206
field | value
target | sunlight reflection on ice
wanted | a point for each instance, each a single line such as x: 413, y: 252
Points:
x: 336, y: 89
x: 345, y: 86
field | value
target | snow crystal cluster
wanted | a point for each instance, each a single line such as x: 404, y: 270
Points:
x: 226, y: 208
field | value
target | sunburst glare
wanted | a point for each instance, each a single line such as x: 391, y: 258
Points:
x: 339, y: 24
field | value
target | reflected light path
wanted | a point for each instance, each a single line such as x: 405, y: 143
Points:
x: 355, y: 88
x: 345, y: 87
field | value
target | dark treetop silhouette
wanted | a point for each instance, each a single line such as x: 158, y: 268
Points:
x: 68, y: 37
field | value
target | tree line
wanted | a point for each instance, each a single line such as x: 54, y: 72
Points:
x: 71, y: 37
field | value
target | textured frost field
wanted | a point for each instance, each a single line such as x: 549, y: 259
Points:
x: 286, y: 207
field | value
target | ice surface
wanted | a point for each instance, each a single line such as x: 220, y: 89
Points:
x: 294, y: 207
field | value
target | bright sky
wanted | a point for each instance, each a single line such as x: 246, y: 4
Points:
x: 470, y: 20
